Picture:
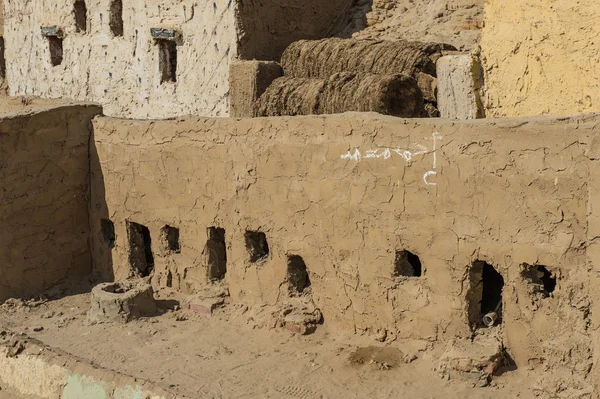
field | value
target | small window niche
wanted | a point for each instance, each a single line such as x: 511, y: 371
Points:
x: 80, y: 11
x: 141, y: 258
x: 407, y: 264
x: 297, y: 275
x: 485, y: 295
x: 540, y: 280
x: 54, y: 35
x: 2, y: 59
x: 115, y: 21
x: 216, y: 253
x: 170, y: 238
x: 166, y: 41
x: 256, y: 245
x: 108, y: 232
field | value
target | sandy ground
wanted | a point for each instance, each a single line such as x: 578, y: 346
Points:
x: 235, y: 354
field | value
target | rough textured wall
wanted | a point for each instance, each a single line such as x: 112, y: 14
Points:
x: 122, y: 72
x: 346, y: 193
x: 456, y: 22
x: 267, y: 27
x: 44, y: 191
x: 541, y: 57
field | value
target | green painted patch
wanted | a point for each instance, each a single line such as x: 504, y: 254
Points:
x: 79, y: 387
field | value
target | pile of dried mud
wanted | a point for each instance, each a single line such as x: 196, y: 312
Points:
x: 396, y: 95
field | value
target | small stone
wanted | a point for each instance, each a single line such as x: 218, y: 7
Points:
x: 48, y: 315
x: 380, y: 335
x: 38, y: 328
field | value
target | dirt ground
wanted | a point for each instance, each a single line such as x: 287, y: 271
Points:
x: 236, y: 354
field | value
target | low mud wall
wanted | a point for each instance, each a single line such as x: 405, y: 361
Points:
x: 415, y: 228
x: 44, y: 192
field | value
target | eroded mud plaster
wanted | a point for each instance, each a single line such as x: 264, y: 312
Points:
x: 348, y: 193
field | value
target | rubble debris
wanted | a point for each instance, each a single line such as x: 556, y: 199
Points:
x: 472, y: 361
x: 207, y: 300
x: 15, y: 348
x: 300, y: 315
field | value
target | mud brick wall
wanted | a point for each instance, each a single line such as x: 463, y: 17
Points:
x: 44, y: 191
x: 349, y: 193
x: 120, y: 66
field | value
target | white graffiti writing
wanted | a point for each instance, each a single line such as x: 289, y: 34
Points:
x: 407, y: 154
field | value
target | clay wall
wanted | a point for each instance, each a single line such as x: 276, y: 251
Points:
x: 122, y: 72
x: 44, y: 192
x: 541, y: 57
x: 348, y: 193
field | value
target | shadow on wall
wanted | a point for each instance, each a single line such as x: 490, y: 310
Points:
x: 269, y: 26
x: 355, y: 19
x: 103, y: 236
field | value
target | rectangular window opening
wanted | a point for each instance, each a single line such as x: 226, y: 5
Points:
x: 167, y: 60
x: 55, y: 44
x: 217, y: 253
x: 2, y: 60
x: 141, y: 258
x: 80, y: 10
x: 116, y: 17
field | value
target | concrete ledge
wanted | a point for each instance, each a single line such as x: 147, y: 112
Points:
x: 42, y: 372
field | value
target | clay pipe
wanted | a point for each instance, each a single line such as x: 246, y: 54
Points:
x: 490, y: 319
